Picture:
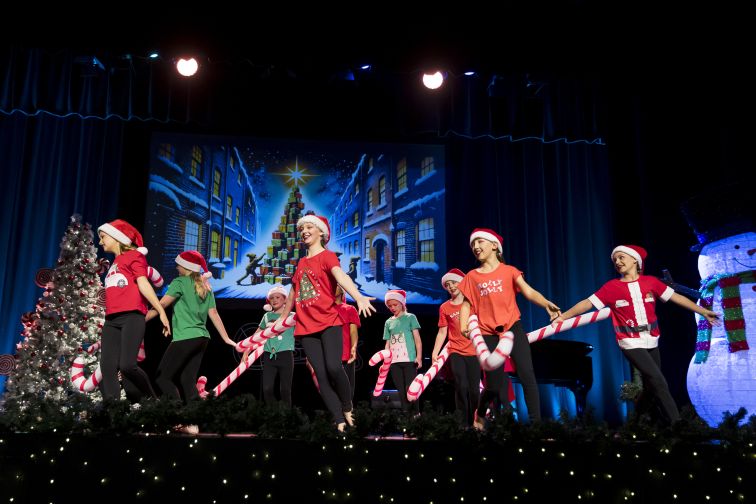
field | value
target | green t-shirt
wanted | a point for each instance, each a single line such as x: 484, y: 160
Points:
x: 398, y: 330
x: 189, y: 310
x: 277, y: 343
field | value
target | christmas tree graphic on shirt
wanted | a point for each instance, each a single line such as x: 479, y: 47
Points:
x: 308, y: 290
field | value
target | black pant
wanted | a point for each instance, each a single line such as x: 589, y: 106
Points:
x: 282, y: 366
x: 648, y: 362
x: 349, y: 370
x: 181, y: 359
x: 403, y: 373
x: 498, y: 390
x: 323, y: 350
x: 121, y: 335
x: 466, y: 370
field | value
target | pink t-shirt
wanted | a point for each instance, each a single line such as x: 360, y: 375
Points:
x: 492, y: 297
x: 314, y: 293
x: 448, y: 316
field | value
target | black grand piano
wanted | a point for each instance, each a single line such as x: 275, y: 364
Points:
x: 564, y: 363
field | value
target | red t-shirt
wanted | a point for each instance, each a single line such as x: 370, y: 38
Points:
x: 349, y: 316
x: 314, y: 293
x: 448, y: 316
x: 633, y: 306
x: 492, y: 297
x: 121, y: 291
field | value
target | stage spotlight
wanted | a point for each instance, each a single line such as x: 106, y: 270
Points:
x: 433, y: 80
x: 153, y: 55
x: 187, y: 66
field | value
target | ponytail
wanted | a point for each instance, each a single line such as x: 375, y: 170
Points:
x: 201, y: 287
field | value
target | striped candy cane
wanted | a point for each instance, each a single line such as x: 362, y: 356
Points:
x: 81, y: 382
x: 274, y: 330
x: 236, y: 373
x: 385, y: 356
x: 572, y: 323
x: 490, y: 360
x: 201, y: 382
x: 155, y: 277
x: 421, y: 381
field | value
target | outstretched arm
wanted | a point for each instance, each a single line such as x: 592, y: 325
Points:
x: 712, y: 317
x: 165, y: 302
x: 536, y: 297
x: 149, y: 294
x: 581, y: 307
x: 440, y: 338
x: 218, y: 323
x: 363, y: 302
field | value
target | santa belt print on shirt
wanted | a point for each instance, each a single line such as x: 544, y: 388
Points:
x: 636, y: 329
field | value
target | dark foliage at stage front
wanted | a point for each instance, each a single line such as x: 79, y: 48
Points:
x: 245, y: 414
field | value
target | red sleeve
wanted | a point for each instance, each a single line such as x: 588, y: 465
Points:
x: 604, y: 295
x: 660, y: 289
x: 469, y: 290
x: 136, y: 263
x: 354, y: 317
x: 515, y: 275
x: 330, y: 260
x: 442, y: 317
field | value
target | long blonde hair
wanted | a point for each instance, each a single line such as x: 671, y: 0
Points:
x: 201, y: 287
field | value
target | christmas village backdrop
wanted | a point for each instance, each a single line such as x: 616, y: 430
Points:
x: 238, y: 201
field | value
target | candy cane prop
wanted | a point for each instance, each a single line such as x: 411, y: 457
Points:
x: 83, y: 384
x: 385, y: 356
x: 490, y: 360
x: 312, y: 373
x: 236, y: 373
x: 201, y: 382
x: 421, y: 381
x: 155, y: 277
x: 258, y: 338
x: 571, y: 323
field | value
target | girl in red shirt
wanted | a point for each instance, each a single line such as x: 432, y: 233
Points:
x: 318, y: 322
x: 462, y: 359
x: 489, y: 293
x: 127, y: 292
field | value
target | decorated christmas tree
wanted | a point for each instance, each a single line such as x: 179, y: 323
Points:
x: 68, y: 317
x: 285, y: 249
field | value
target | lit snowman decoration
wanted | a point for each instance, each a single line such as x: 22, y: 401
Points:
x: 722, y: 373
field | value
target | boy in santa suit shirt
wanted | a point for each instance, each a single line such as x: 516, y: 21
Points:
x: 632, y: 300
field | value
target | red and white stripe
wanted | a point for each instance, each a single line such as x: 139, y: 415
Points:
x: 236, y: 373
x: 421, y: 381
x: 490, y: 360
x: 385, y: 357
x: 155, y: 277
x: 201, y: 383
x: 571, y: 323
x: 276, y: 329
x: 81, y: 382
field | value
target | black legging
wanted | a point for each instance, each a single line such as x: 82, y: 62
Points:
x: 282, y: 366
x: 121, y: 335
x: 466, y: 370
x: 403, y: 373
x: 323, y: 350
x: 497, y: 381
x: 648, y: 362
x: 181, y: 359
x: 349, y: 370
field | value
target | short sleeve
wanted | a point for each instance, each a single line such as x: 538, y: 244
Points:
x: 442, y: 317
x: 176, y: 288
x: 330, y: 260
x: 354, y: 317
x: 386, y: 331
x: 660, y: 289
x: 211, y: 300
x: 601, y: 297
x: 263, y: 322
x: 413, y: 323
x: 137, y: 264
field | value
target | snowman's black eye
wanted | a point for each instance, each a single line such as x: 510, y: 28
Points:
x: 737, y: 247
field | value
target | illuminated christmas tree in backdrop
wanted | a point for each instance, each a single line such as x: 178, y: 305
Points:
x: 68, y: 318
x: 285, y: 249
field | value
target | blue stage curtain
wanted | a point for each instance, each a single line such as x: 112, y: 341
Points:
x: 52, y: 168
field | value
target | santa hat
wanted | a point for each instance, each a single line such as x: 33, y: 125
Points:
x: 276, y: 289
x: 634, y: 251
x: 396, y: 295
x: 487, y: 234
x: 319, y: 222
x: 453, y: 274
x: 192, y: 260
x: 124, y: 233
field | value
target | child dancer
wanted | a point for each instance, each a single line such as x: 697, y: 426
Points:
x: 194, y: 304
x: 278, y: 355
x: 632, y: 300
x: 318, y: 322
x: 349, y: 336
x: 489, y: 292
x: 127, y: 292
x: 402, y: 336
x: 462, y: 359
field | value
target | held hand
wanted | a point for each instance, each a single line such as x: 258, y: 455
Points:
x: 466, y: 333
x: 229, y: 341
x: 245, y: 355
x: 364, y: 307
x: 712, y: 317
x: 558, y: 320
x: 434, y: 356
x: 166, y: 325
x: 553, y: 311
